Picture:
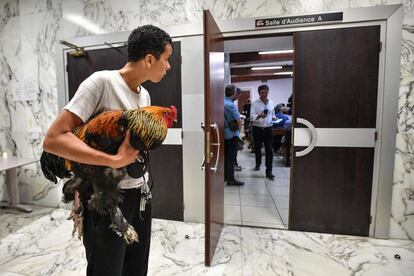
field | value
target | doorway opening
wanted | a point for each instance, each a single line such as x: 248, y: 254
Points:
x: 249, y: 63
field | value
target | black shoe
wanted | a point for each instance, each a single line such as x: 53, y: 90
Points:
x: 234, y: 183
x: 270, y: 176
x: 237, y: 168
x: 257, y: 168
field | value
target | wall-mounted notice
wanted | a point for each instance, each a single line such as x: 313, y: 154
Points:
x: 300, y: 19
x: 25, y: 90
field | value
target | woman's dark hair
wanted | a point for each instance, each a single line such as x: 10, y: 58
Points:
x: 147, y: 39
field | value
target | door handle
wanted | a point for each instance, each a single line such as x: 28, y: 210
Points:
x: 216, y: 127
x: 203, y: 165
x: 207, y: 149
x: 314, y: 137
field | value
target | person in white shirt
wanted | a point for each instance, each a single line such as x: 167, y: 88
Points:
x: 262, y: 113
x: 149, y: 49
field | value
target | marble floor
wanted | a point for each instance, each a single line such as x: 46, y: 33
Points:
x: 259, y: 202
x: 40, y: 243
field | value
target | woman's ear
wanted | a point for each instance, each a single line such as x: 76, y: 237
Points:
x: 149, y: 60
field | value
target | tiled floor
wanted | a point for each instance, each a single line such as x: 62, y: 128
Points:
x: 259, y: 202
x: 40, y: 244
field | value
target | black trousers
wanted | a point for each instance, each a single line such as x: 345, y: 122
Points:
x: 263, y: 136
x: 230, y: 153
x: 107, y: 253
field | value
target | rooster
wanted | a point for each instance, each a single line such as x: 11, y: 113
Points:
x: 98, y: 185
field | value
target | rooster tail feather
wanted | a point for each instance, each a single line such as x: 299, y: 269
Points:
x: 53, y: 166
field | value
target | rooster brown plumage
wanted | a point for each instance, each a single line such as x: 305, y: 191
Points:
x: 98, y: 185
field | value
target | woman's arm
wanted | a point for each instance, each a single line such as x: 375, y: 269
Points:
x: 60, y: 141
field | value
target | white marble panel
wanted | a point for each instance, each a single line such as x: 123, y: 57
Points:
x: 97, y: 17
x: 287, y: 7
x: 10, y: 45
x: 174, y: 12
x: 254, y: 8
x: 408, y: 8
x: 174, y: 254
x: 9, y: 8
x: 9, y: 49
x: 273, y: 252
x: 364, y: 3
x: 406, y: 95
x: 392, y: 2
x: 38, y: 33
x: 226, y: 10
x: 227, y: 258
x: 336, y: 5
x: 39, y: 244
x: 402, y: 210
x: 38, y: 51
x: 405, y: 249
x: 72, y: 16
x: 33, y: 6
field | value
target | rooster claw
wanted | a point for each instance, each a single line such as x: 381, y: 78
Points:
x: 130, y: 235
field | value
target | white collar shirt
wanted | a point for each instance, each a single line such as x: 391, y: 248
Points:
x: 257, y: 108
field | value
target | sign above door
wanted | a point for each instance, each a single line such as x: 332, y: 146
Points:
x: 301, y: 19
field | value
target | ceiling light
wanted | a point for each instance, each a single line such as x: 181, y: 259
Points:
x: 283, y: 73
x: 267, y: 68
x: 276, y: 52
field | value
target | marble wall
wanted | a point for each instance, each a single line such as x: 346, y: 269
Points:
x: 29, y: 30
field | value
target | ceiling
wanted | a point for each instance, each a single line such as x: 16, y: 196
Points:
x: 243, y: 55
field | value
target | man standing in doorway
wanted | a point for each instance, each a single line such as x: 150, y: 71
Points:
x: 231, y: 133
x: 262, y: 113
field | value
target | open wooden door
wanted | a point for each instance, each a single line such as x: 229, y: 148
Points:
x: 335, y: 98
x: 214, y: 130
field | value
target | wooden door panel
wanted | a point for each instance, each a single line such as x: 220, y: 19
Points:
x: 214, y: 114
x: 335, y: 86
x: 332, y: 197
x: 328, y: 65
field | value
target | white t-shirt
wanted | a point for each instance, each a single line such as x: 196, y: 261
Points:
x: 105, y: 91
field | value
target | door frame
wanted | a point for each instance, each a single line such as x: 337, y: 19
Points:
x: 389, y: 16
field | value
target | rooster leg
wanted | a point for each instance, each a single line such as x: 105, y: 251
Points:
x: 77, y: 216
x: 121, y: 226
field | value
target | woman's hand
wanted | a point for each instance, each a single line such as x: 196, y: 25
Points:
x: 126, y: 153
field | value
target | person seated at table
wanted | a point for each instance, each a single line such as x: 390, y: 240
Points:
x: 281, y: 119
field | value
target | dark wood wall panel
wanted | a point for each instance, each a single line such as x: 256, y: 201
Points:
x: 166, y: 167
